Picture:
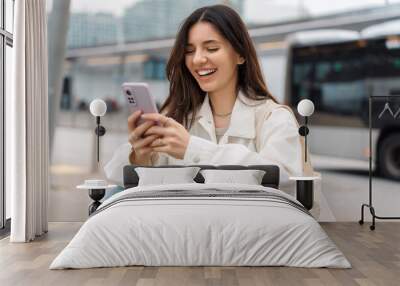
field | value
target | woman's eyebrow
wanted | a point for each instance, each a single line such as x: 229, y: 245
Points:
x: 204, y: 43
x: 210, y: 42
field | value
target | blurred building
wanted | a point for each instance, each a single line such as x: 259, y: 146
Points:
x: 88, y: 30
x: 151, y: 19
x: 146, y: 19
x: 275, y: 12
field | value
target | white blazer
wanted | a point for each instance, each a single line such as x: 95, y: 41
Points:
x: 260, y: 132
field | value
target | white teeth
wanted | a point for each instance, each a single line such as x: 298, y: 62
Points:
x: 206, y: 72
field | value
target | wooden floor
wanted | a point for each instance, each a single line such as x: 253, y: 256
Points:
x: 374, y: 255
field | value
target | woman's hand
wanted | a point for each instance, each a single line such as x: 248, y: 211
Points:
x: 173, y: 138
x: 142, y: 151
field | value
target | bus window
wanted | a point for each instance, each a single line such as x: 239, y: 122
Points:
x: 301, y: 81
x: 341, y: 86
x: 322, y: 70
x: 332, y: 76
x: 383, y: 66
x: 343, y: 98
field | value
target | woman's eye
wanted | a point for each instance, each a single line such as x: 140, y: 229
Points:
x: 212, y: 49
x: 189, y: 51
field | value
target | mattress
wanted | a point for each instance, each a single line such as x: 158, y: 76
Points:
x: 201, y: 225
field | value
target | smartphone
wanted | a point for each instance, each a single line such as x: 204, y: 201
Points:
x: 139, y: 98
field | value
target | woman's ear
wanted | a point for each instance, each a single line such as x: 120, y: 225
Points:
x: 241, y: 60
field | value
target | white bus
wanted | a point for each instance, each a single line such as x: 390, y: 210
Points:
x: 338, y: 70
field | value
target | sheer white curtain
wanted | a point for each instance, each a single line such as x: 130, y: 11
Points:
x: 27, y: 123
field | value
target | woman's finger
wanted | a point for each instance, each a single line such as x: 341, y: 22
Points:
x: 159, y: 142
x: 158, y: 130
x: 162, y: 149
x: 132, y: 120
x: 137, y: 133
x: 165, y: 121
x: 148, y: 140
x: 144, y: 151
x: 140, y: 130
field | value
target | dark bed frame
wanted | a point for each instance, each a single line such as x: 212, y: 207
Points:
x: 270, y: 179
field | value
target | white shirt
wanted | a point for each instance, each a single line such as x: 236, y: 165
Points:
x: 260, y: 132
x: 219, y: 132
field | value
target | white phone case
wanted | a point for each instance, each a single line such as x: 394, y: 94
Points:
x: 139, y: 98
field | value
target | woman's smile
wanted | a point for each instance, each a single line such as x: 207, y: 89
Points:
x: 206, y: 74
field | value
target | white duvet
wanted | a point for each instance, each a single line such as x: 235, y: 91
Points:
x: 200, y: 231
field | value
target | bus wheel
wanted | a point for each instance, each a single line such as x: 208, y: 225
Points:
x: 389, y: 157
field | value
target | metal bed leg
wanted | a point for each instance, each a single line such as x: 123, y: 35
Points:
x: 361, y: 221
x: 372, y: 210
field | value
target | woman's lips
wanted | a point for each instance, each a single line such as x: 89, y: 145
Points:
x: 205, y: 74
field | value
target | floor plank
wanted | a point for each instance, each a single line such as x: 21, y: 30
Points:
x: 374, y: 255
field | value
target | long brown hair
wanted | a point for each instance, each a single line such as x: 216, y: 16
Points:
x: 185, y: 95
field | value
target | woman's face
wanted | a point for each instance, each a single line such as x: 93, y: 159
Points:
x: 210, y: 58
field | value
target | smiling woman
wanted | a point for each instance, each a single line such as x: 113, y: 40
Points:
x: 221, y: 60
x: 219, y: 110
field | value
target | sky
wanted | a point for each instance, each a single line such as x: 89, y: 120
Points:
x: 253, y: 10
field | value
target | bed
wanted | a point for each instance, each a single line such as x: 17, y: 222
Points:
x: 201, y: 224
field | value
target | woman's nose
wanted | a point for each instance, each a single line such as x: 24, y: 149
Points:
x: 199, y: 58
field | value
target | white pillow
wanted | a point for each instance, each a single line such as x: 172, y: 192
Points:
x: 248, y: 177
x: 163, y: 176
